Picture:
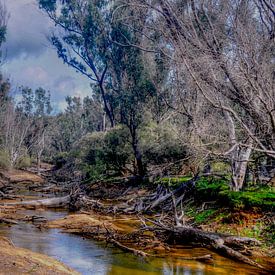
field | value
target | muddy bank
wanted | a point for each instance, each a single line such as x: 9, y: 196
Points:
x: 16, y: 260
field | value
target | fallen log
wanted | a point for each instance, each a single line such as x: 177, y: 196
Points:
x: 216, y: 242
x: 8, y: 221
x: 49, y: 203
x: 204, y: 258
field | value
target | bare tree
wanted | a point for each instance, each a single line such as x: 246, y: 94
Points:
x: 225, y: 51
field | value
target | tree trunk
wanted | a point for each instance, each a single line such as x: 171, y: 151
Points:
x: 139, y: 163
x: 239, y: 167
x: 106, y: 107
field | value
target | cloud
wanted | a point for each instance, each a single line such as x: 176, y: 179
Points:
x: 31, y: 62
x: 27, y: 29
x: 37, y: 73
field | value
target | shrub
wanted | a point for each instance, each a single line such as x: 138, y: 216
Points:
x: 117, y: 151
x: 60, y: 160
x: 160, y: 144
x: 4, y: 160
x: 100, y: 153
x: 220, y: 167
x: 23, y: 162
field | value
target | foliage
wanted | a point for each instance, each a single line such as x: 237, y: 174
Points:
x: 160, y: 144
x: 60, y: 159
x: 23, y: 162
x: 101, y: 153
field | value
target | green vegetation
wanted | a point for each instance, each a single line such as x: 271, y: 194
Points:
x: 219, y: 190
x: 263, y: 198
x: 4, y: 160
x: 173, y: 181
x: 204, y: 215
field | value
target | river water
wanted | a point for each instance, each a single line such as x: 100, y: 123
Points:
x: 90, y: 257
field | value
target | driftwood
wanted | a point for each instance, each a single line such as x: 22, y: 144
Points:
x: 8, y: 196
x: 50, y: 203
x: 35, y: 218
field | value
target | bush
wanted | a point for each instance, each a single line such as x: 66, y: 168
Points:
x: 60, y: 160
x: 4, y: 160
x: 222, y: 167
x: 23, y: 162
x: 160, y: 145
x: 117, y: 152
x: 101, y: 153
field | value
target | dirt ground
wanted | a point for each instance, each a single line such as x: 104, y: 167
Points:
x: 18, y: 176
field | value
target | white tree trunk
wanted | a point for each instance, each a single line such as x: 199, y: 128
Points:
x: 239, y: 166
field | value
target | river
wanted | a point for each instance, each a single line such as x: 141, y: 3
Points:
x: 90, y: 257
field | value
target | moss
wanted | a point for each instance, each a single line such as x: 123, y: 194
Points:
x: 173, y: 181
x: 204, y: 216
x: 219, y: 190
x: 209, y: 188
x: 264, y: 199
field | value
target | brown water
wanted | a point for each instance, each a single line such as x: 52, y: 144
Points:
x: 90, y: 257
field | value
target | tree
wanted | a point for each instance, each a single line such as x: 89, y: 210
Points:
x: 34, y: 108
x: 225, y: 51
x: 83, y: 41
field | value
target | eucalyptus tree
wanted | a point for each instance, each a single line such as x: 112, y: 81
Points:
x: 82, y: 41
x: 92, y: 43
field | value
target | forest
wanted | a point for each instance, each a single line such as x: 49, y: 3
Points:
x: 173, y: 148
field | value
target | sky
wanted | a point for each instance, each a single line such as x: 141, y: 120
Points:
x: 31, y: 61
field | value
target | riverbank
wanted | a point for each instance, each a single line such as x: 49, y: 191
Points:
x: 16, y: 260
